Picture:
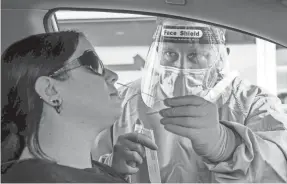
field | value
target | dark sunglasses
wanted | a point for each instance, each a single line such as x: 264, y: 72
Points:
x: 88, y: 59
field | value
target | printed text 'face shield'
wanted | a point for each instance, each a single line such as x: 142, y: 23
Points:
x: 183, y: 60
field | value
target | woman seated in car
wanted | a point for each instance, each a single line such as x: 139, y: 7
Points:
x: 56, y: 96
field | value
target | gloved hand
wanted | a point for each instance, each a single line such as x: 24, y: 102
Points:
x: 197, y: 119
x: 128, y: 152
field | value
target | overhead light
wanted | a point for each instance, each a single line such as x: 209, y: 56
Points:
x: 176, y: 2
x: 120, y: 33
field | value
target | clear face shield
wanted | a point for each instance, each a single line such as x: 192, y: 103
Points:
x: 184, y: 59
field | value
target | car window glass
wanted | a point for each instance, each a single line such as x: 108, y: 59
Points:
x: 122, y: 41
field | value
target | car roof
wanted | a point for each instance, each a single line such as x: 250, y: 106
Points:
x: 263, y: 18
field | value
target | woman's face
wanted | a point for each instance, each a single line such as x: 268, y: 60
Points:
x: 89, y: 96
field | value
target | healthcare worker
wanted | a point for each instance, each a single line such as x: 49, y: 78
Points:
x: 209, y: 125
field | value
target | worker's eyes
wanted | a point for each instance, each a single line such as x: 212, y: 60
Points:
x: 193, y: 57
x: 198, y: 55
x: 199, y: 58
x: 170, y: 56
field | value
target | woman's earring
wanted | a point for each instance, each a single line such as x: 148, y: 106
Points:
x: 58, y: 106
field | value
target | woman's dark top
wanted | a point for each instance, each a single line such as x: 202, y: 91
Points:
x: 40, y: 171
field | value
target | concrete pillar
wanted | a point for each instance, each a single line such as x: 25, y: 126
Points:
x: 266, y: 65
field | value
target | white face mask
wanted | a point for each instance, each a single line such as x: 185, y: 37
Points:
x: 180, y: 82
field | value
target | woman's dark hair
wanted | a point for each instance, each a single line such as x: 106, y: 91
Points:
x: 21, y: 64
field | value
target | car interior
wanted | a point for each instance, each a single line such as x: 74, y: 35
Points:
x: 250, y: 30
x: 256, y: 31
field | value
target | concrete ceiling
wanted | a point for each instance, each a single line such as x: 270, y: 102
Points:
x: 263, y: 18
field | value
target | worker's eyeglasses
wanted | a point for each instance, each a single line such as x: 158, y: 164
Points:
x: 89, y: 60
